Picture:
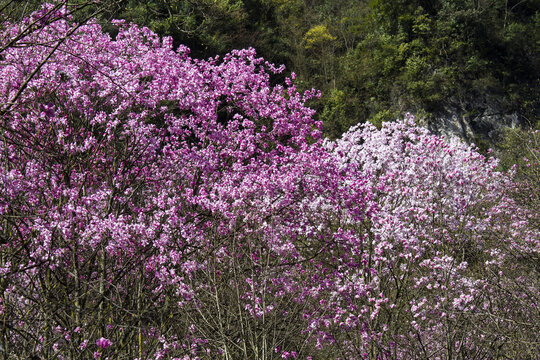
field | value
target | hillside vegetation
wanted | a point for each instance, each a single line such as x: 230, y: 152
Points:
x: 373, y: 60
x: 156, y: 205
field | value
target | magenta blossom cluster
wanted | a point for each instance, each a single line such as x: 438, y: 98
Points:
x: 103, y: 343
x: 189, y: 209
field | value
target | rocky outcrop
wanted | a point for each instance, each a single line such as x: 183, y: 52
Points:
x: 476, y: 120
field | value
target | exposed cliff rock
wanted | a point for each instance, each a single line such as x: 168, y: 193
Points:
x: 481, y: 120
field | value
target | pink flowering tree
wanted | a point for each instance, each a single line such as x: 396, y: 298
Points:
x: 150, y: 199
x: 158, y: 206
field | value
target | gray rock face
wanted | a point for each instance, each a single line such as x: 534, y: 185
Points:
x: 474, y: 120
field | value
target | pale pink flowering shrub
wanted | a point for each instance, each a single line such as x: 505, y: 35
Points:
x: 194, y: 206
x: 447, y: 250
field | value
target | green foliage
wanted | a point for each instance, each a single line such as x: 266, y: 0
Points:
x: 318, y: 36
x: 335, y: 113
x: 16, y: 11
x: 521, y: 149
x: 370, y: 58
x: 412, y: 55
x: 382, y: 116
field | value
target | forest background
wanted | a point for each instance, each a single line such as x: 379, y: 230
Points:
x: 372, y: 60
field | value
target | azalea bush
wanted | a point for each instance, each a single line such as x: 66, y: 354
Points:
x: 156, y: 206
x: 453, y: 256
